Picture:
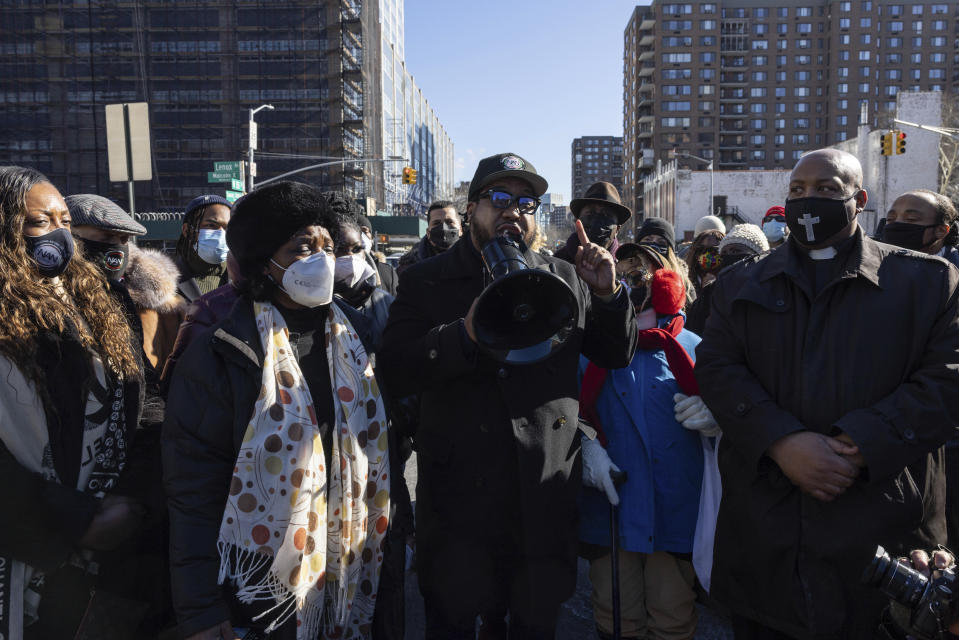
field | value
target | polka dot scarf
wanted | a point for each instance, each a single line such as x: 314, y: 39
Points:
x: 312, y: 547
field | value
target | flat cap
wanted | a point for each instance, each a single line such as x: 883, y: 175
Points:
x: 96, y: 211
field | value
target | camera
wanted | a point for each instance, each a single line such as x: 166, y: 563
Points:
x: 920, y: 607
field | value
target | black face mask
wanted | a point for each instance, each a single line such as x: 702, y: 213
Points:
x: 906, y: 235
x: 112, y: 259
x: 358, y: 294
x: 813, y: 221
x: 637, y: 296
x: 52, y: 251
x: 443, y: 237
x: 729, y: 259
x: 599, y: 228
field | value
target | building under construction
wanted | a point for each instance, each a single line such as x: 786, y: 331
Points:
x: 202, y: 65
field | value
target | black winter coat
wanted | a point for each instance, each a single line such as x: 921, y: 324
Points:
x: 497, y: 445
x: 875, y: 355
x: 212, y: 395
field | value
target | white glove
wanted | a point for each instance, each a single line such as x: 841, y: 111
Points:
x: 596, y: 468
x: 693, y: 414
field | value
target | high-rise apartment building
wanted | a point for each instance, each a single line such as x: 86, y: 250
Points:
x: 595, y: 159
x: 753, y: 84
x: 201, y: 65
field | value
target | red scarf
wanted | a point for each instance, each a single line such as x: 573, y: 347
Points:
x: 655, y: 339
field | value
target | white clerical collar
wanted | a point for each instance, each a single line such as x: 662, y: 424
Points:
x: 828, y: 253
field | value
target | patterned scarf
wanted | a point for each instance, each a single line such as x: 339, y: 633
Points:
x: 311, y: 546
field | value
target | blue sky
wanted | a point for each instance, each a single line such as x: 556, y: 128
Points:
x: 525, y: 76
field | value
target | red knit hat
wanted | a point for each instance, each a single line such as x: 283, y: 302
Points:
x: 775, y: 212
x: 668, y: 292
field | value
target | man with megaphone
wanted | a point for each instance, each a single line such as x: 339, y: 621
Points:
x: 489, y: 335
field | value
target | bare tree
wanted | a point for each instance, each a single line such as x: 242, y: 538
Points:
x: 949, y: 149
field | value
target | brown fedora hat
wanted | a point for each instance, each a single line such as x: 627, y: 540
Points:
x: 602, y: 193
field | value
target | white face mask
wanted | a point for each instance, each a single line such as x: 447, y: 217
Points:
x: 211, y: 245
x: 352, y: 269
x: 366, y: 241
x: 309, y: 281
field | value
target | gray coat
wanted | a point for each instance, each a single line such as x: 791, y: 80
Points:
x: 874, y: 355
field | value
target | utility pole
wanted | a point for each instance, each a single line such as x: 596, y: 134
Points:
x: 250, y: 167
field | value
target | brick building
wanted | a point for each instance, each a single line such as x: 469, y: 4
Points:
x: 595, y: 159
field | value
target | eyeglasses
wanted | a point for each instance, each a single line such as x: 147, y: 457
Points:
x: 505, y: 200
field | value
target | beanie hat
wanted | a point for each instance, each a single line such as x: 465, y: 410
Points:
x: 708, y: 222
x: 87, y: 209
x: 774, y: 212
x: 266, y: 218
x: 748, y: 235
x: 657, y: 227
x: 668, y: 292
x: 205, y: 201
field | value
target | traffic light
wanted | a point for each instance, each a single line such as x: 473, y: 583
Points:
x: 409, y: 175
x: 900, y: 143
x: 412, y: 176
x: 885, y: 144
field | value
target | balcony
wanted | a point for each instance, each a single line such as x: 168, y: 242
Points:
x: 647, y: 24
x: 646, y: 71
x: 646, y: 55
x: 647, y: 40
x: 650, y: 118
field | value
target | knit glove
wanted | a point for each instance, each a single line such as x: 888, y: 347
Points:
x: 596, y: 469
x: 693, y: 414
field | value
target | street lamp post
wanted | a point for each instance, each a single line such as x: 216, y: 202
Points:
x: 709, y: 165
x: 252, y: 146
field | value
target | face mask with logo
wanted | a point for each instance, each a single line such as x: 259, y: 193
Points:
x: 906, y: 235
x: 443, y: 236
x: 775, y: 230
x: 112, y: 259
x: 813, y: 221
x: 211, y: 245
x: 351, y: 270
x: 309, y: 281
x: 52, y: 251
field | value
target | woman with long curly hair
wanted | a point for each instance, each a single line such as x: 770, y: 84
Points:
x: 70, y: 395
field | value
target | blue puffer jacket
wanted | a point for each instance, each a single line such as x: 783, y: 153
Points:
x: 663, y: 461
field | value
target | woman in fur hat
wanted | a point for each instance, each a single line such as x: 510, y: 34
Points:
x: 275, y: 446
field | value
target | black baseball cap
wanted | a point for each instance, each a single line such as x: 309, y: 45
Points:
x: 505, y: 165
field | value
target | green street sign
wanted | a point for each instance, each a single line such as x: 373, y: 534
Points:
x: 233, y: 196
x: 235, y: 167
x: 221, y: 176
x: 237, y: 185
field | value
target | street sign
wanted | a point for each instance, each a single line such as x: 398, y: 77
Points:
x: 128, y: 142
x: 252, y: 134
x: 235, y: 167
x: 237, y: 185
x: 233, y: 196
x: 220, y: 176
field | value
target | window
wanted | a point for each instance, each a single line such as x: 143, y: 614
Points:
x: 938, y: 9
x: 677, y: 58
x: 759, y: 44
x: 675, y: 122
x: 802, y: 76
x: 677, y: 8
x: 865, y: 38
x: 707, y: 41
x: 757, y: 154
x: 916, y: 58
x: 865, y: 23
x: 895, y: 10
x: 804, y: 12
x: 678, y: 25
x: 894, y: 58
x: 760, y: 29
x: 757, y: 139
x: 803, y: 27
x: 864, y: 55
x: 758, y: 123
x: 801, y: 92
x: 864, y: 72
x: 797, y: 154
x: 779, y: 154
x: 707, y: 25
x: 801, y: 123
x: 843, y: 23
x: 937, y: 74
x: 780, y: 61
x: 782, y: 12
x: 895, y: 26
x: 709, y: 7
x: 707, y: 74
x: 867, y: 5
x: 677, y: 41
x: 801, y: 138
x: 707, y: 57
x: 804, y: 44
x: 891, y: 90
x: 802, y: 107
x: 939, y: 25
x: 894, y: 43
x: 937, y: 57
x: 893, y: 74
x: 917, y: 42
x: 844, y: 39
x: 803, y: 59
x: 842, y: 88
x: 779, y: 123
x: 842, y: 104
x: 782, y: 28
x: 917, y: 9
x: 863, y: 87
x: 845, y: 7
x: 706, y: 121
x: 707, y: 89
x: 780, y: 107
x: 676, y: 90
x: 760, y: 60
x: 677, y: 74
x: 757, y: 92
x: 938, y: 41
x: 842, y: 72
x: 759, y: 76
x: 706, y: 105
x: 843, y: 55
x: 842, y: 121
x: 779, y: 139
x: 757, y: 107
x: 917, y: 26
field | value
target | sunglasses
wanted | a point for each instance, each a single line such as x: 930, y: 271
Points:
x: 505, y: 200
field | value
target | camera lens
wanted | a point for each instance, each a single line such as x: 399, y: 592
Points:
x: 896, y: 579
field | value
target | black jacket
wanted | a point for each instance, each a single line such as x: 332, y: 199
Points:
x: 212, y: 395
x: 497, y: 445
x: 875, y: 356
